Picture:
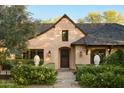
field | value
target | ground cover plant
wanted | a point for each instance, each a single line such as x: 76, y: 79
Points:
x: 9, y: 84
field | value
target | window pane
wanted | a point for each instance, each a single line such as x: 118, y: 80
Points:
x: 40, y: 53
x: 32, y: 53
x: 25, y: 55
x: 65, y: 35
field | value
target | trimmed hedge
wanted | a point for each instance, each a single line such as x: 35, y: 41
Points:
x: 101, y: 76
x: 27, y: 74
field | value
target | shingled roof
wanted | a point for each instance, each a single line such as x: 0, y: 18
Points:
x: 95, y: 33
x: 102, y: 34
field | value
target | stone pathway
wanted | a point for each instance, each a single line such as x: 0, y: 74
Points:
x: 65, y: 79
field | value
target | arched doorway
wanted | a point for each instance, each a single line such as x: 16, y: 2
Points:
x: 64, y: 57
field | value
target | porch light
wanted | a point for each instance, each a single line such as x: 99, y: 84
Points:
x: 49, y: 54
x: 109, y: 50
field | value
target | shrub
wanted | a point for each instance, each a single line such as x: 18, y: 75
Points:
x: 28, y: 62
x: 8, y: 64
x: 41, y: 62
x: 87, y: 80
x: 101, y: 76
x: 117, y: 58
x: 31, y: 62
x: 82, y: 69
x: 105, y: 79
x: 27, y: 74
x: 50, y: 65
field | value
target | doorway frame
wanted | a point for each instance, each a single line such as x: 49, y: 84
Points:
x: 60, y: 58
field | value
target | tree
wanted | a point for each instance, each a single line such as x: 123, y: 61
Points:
x: 110, y: 16
x: 15, y: 26
x: 53, y: 20
x: 93, y: 17
x: 80, y: 20
x: 121, y: 18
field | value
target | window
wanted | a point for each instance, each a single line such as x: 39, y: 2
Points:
x: 33, y: 52
x: 25, y: 54
x: 29, y: 54
x: 65, y: 35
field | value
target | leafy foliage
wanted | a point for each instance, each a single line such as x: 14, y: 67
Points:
x: 116, y: 58
x: 15, y: 27
x: 101, y: 76
x: 53, y: 20
x: 27, y: 74
x: 110, y: 16
x: 9, y: 64
x: 81, y: 21
x: 93, y: 17
x: 2, y: 57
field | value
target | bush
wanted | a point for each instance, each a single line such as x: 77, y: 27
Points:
x: 117, y: 58
x: 8, y: 64
x: 95, y: 70
x: 31, y: 62
x: 50, y: 65
x: 87, y: 80
x: 101, y: 76
x: 27, y: 74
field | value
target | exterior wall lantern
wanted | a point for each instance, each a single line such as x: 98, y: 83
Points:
x: 109, y: 50
x: 49, y: 53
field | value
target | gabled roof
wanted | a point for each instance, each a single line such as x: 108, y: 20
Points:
x: 45, y: 27
x: 95, y: 33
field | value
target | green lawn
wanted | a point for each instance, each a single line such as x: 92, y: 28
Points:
x: 9, y: 84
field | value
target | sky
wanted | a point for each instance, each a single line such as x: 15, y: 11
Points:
x: 75, y: 12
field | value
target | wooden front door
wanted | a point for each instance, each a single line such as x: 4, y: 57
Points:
x: 64, y: 58
x: 100, y: 52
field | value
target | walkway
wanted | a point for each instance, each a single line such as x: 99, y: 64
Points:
x: 66, y: 79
